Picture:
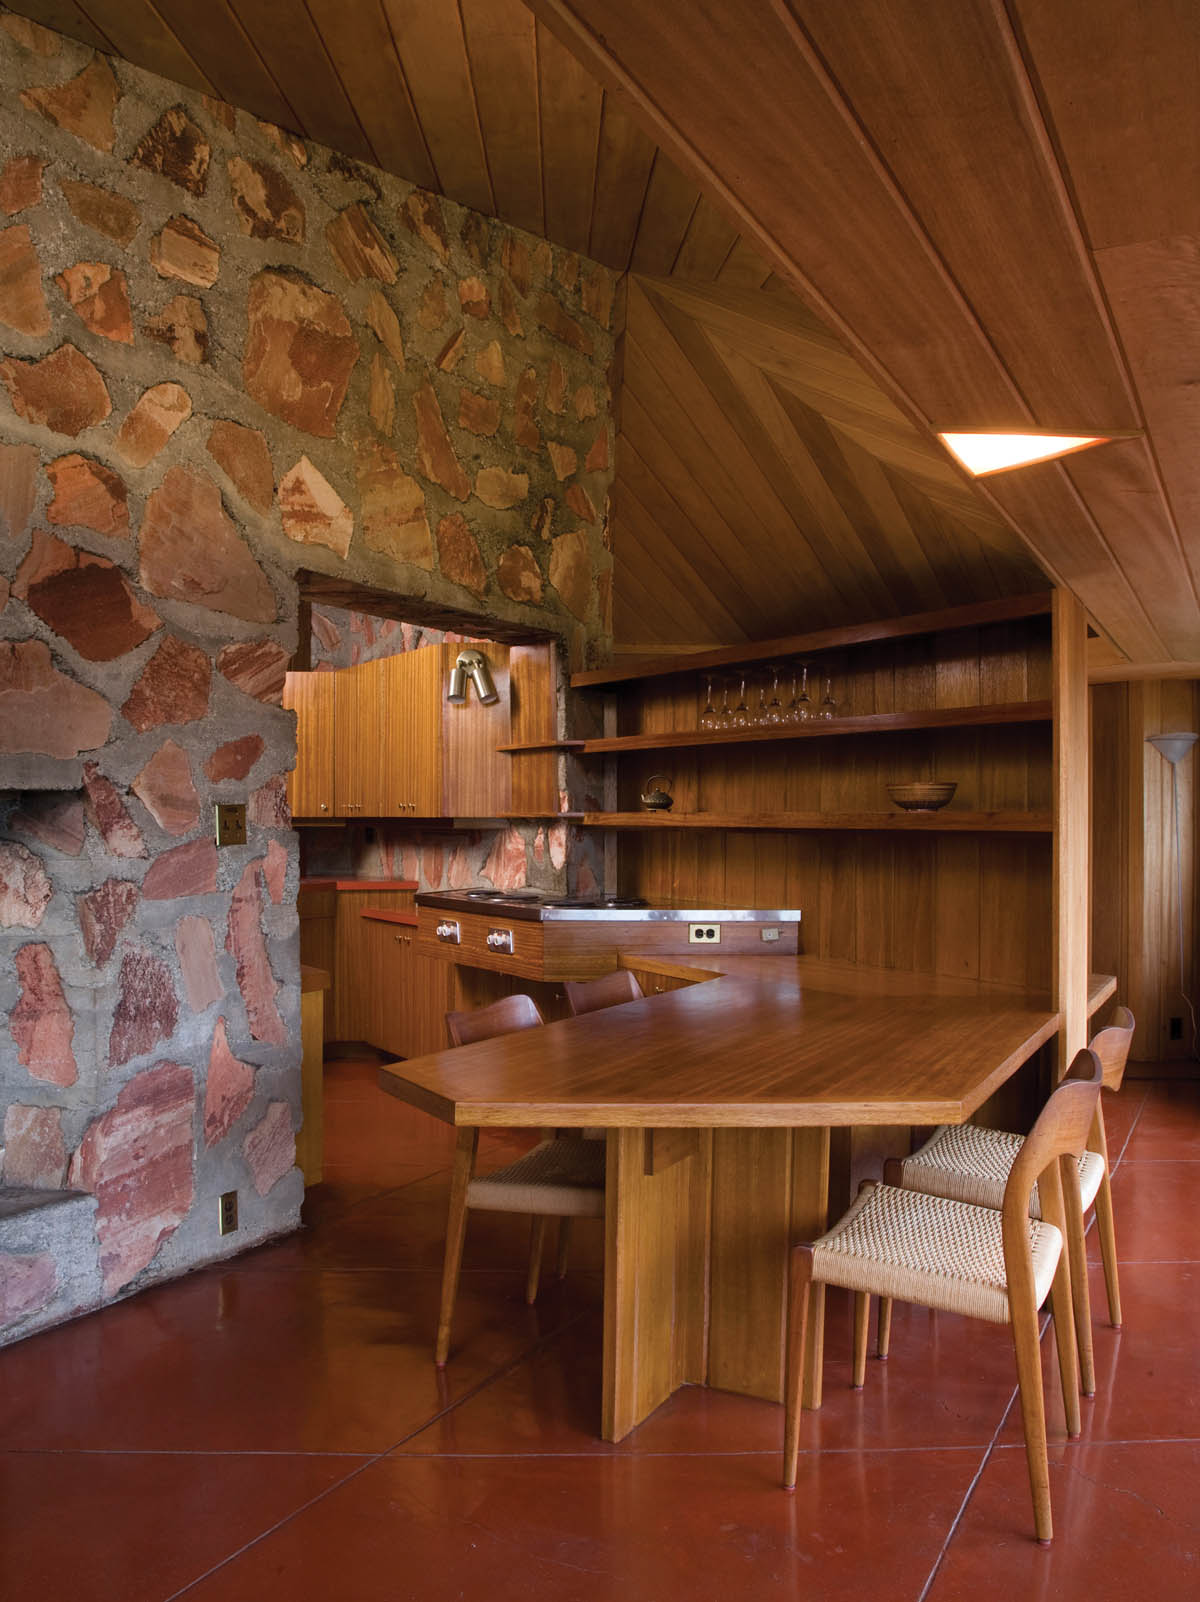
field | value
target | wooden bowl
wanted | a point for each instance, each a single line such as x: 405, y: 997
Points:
x: 926, y: 796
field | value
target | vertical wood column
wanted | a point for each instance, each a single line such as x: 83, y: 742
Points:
x: 1071, y: 818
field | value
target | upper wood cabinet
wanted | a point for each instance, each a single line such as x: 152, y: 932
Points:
x: 310, y: 786
x: 387, y: 743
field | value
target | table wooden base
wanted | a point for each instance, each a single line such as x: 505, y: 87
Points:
x: 696, y: 1261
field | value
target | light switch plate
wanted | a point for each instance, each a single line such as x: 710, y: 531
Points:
x: 231, y: 823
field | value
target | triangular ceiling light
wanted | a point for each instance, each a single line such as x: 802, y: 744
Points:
x: 993, y: 453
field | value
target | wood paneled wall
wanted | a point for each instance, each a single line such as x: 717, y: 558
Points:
x: 972, y: 905
x: 1135, y: 918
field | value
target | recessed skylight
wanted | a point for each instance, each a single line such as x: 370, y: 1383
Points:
x: 992, y: 453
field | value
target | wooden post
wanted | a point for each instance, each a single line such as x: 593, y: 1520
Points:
x: 1071, y: 812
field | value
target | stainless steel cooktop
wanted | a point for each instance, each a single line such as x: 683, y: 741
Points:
x: 538, y: 906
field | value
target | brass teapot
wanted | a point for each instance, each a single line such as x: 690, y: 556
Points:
x: 657, y: 800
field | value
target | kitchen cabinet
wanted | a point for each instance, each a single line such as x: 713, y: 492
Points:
x: 380, y: 740
x: 310, y: 786
x: 409, y: 993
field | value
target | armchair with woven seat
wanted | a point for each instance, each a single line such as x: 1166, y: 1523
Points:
x: 955, y: 1257
x: 969, y: 1163
x: 562, y: 1177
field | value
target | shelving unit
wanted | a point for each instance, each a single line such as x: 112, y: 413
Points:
x: 946, y: 821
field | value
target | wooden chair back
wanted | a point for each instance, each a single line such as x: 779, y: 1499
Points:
x: 1061, y: 1130
x: 503, y: 1017
x: 610, y: 990
x: 1112, y: 1045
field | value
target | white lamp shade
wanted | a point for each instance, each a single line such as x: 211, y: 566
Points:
x: 1173, y: 746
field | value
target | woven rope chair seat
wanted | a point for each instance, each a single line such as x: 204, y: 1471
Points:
x: 971, y: 1164
x: 930, y: 1250
x: 561, y: 1178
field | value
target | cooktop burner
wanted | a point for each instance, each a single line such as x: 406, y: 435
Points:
x: 504, y: 895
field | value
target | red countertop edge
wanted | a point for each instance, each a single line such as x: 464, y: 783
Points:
x: 359, y: 884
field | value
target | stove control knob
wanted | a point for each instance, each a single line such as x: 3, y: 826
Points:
x: 500, y: 940
x: 448, y: 931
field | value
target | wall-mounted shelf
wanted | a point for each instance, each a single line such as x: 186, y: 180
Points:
x: 956, y: 717
x: 543, y: 745
x: 1005, y: 609
x: 947, y: 821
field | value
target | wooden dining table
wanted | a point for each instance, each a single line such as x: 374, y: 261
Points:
x: 718, y: 1100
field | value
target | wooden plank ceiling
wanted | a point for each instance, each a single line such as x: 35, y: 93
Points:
x: 991, y: 218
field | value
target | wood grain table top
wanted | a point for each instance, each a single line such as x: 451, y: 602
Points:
x: 774, y: 1041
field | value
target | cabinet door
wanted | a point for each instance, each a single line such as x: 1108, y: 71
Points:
x: 310, y: 786
x: 476, y: 779
x: 358, y: 761
x: 412, y: 697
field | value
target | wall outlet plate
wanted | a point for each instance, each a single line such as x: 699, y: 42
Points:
x: 230, y: 823
x: 227, y: 1213
x: 704, y: 934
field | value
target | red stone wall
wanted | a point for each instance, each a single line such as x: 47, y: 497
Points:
x: 225, y: 355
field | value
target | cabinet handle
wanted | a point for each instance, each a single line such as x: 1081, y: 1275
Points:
x: 324, y: 806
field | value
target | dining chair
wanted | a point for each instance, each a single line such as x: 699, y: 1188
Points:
x: 960, y: 1258
x: 561, y: 1177
x: 972, y: 1164
x: 610, y: 990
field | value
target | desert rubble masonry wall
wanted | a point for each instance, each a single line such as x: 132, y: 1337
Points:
x: 225, y: 354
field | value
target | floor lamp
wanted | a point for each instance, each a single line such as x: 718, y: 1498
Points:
x: 1175, y: 747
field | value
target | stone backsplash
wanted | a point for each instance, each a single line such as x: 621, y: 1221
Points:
x: 226, y: 355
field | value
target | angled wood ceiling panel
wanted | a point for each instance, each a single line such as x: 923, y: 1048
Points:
x: 947, y: 187
x: 733, y: 487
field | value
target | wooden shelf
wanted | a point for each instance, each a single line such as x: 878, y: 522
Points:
x: 947, y: 821
x: 956, y: 717
x: 543, y: 745
x: 896, y: 628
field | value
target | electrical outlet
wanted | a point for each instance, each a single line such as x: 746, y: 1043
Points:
x: 230, y: 823
x: 704, y: 934
x: 1175, y: 1029
x: 770, y: 932
x: 227, y: 1213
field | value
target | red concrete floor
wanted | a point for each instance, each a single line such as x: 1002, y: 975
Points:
x: 275, y: 1428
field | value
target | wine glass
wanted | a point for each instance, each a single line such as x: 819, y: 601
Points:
x: 709, y: 716
x: 800, y: 708
x: 760, y: 707
x: 725, y: 715
x: 741, y: 712
x: 775, y: 712
x: 828, y: 704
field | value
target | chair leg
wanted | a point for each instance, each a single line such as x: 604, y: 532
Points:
x: 862, y: 1316
x: 537, y: 1239
x: 564, y: 1244
x: 797, y: 1342
x: 1033, y: 1416
x: 1080, y: 1298
x: 1063, y: 1311
x: 883, y: 1332
x: 456, y: 1229
x: 1108, y: 1250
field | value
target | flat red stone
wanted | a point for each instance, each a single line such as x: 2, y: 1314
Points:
x: 22, y: 298
x: 155, y: 417
x: 18, y: 488
x: 299, y: 354
x: 63, y: 391
x: 83, y: 106
x: 246, y: 943
x: 108, y: 813
x: 173, y: 687
x: 27, y: 1283
x: 41, y: 1023
x: 185, y: 870
x: 53, y: 820
x: 88, y: 495
x: 100, y: 295
x: 270, y: 1147
x: 275, y: 871
x: 20, y: 184
x: 312, y: 511
x: 358, y: 247
x: 137, y: 1161
x: 182, y: 326
x: 244, y: 455
x: 103, y: 913
x: 112, y: 215
x: 25, y: 888
x: 177, y: 149
x: 235, y: 758
x: 392, y: 505
x: 423, y: 214
x: 229, y: 1088
x: 458, y: 554
x: 506, y: 862
x: 42, y: 709
x: 265, y: 205
x: 571, y: 570
x: 268, y: 805
x: 434, y: 450
x: 257, y: 668
x: 165, y: 789
x: 518, y: 574
x: 498, y: 487
x: 183, y: 250
x: 190, y: 551
x: 196, y: 950
x: 563, y: 327
x: 35, y: 1153
x: 84, y: 598
x: 147, y: 1007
